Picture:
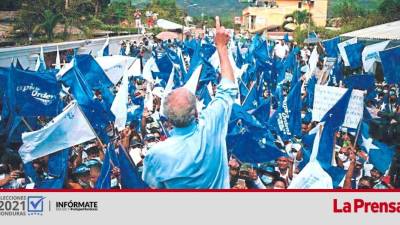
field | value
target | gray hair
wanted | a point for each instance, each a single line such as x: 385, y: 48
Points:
x: 181, y: 113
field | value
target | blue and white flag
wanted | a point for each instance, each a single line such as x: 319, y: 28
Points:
x: 391, y: 67
x: 353, y: 52
x: 380, y: 155
x: 370, y: 55
x: 65, y: 130
x: 105, y: 50
x: 286, y: 121
x: 40, y: 63
x: 343, y: 51
x: 33, y: 93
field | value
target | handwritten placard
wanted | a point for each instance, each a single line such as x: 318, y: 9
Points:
x: 326, y: 96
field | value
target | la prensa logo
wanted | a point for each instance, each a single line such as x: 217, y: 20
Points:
x: 35, y: 205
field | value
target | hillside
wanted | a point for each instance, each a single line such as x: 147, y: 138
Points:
x: 233, y: 7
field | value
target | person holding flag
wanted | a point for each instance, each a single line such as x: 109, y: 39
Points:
x: 195, y: 156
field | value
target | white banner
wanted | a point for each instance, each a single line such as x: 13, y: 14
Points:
x: 325, y: 97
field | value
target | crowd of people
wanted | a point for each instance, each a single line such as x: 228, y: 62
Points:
x: 172, y: 142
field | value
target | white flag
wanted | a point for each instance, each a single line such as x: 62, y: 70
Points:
x: 312, y: 176
x: 58, y: 61
x: 115, y: 66
x: 106, y: 45
x: 134, y: 70
x: 191, y: 84
x: 148, y: 67
x: 120, y: 104
x: 65, y: 130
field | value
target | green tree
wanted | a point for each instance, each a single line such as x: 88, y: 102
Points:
x: 49, y: 21
x: 348, y: 10
x: 166, y: 9
x: 39, y: 15
x: 301, y: 17
x: 390, y: 9
x: 10, y: 5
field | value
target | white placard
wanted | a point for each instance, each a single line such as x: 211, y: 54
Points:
x: 326, y: 96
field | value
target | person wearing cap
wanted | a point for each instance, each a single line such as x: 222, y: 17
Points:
x: 95, y: 168
x: 80, y: 178
x: 195, y: 156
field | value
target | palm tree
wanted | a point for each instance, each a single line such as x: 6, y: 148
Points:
x: 301, y: 17
x: 49, y: 22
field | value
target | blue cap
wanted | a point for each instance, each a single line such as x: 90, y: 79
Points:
x: 92, y: 162
x: 81, y: 169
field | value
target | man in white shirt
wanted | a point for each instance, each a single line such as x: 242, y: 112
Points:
x: 281, y: 50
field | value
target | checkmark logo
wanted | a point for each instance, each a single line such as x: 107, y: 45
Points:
x: 35, y: 203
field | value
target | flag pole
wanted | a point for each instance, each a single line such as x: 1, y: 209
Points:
x: 358, y: 132
x: 244, y: 101
x: 26, y: 124
x: 90, y: 125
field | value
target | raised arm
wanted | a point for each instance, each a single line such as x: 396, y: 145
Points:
x: 221, y: 42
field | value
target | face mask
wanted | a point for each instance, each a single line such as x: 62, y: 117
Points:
x: 266, y: 179
x: 342, y: 157
x: 83, y: 184
x: 114, y: 182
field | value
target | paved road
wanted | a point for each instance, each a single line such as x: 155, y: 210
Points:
x: 27, y: 54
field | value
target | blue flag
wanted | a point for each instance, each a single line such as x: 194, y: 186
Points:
x: 57, y: 171
x: 331, y: 47
x: 4, y: 74
x: 310, y: 91
x: 104, y: 179
x: 362, y: 82
x: 333, y: 119
x: 251, y: 100
x: 353, y: 53
x: 164, y: 64
x: 286, y: 121
x: 33, y: 93
x: 248, y: 139
x: 130, y: 177
x: 91, y: 71
x: 262, y: 112
x: 380, y: 155
x: 390, y: 59
x: 239, y: 58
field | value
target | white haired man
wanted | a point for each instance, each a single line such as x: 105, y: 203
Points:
x: 195, y: 155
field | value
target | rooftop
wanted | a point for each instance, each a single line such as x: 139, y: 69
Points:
x: 387, y: 31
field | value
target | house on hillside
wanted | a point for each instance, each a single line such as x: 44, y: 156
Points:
x: 272, y: 13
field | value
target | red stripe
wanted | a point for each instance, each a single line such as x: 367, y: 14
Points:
x: 201, y: 190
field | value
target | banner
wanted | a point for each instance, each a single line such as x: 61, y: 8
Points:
x: 326, y: 96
